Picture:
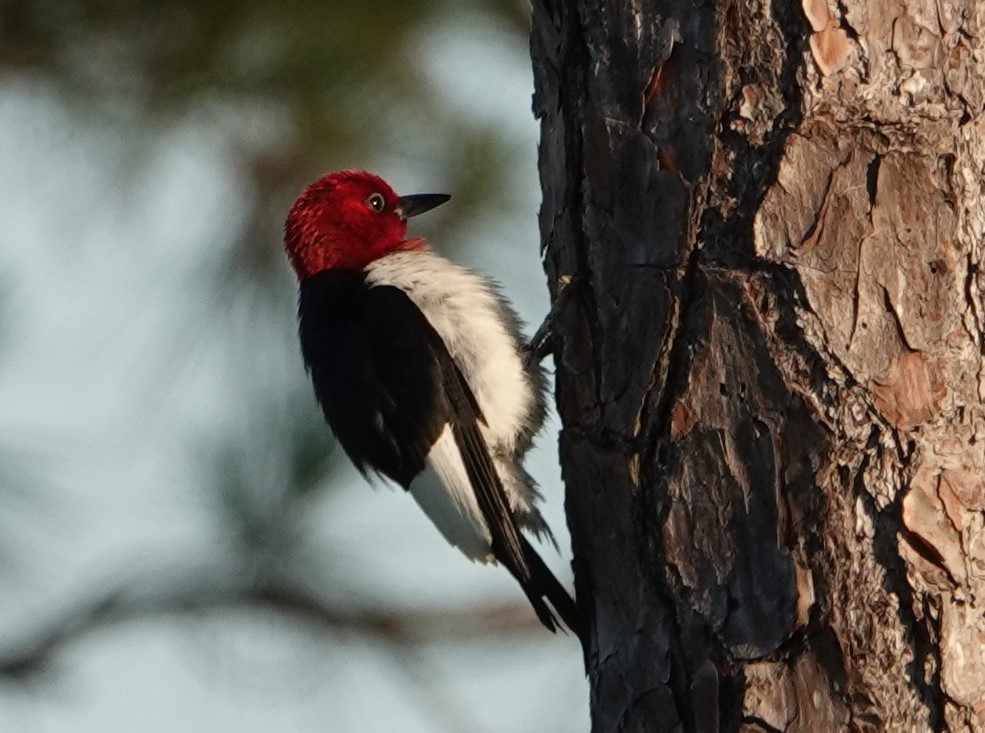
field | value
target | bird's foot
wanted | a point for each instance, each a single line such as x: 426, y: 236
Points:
x: 543, y: 342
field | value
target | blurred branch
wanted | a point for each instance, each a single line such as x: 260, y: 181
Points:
x: 435, y: 699
x: 400, y: 626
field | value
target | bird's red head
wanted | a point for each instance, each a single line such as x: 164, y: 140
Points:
x: 347, y: 219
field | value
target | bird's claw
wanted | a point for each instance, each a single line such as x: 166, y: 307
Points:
x: 544, y: 341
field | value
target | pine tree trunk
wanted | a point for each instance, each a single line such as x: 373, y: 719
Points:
x: 767, y: 222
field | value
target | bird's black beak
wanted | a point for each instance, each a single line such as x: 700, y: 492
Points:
x: 418, y: 203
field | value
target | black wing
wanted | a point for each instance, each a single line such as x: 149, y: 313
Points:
x: 388, y: 387
x: 373, y: 372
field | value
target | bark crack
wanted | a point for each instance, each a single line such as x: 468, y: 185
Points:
x: 857, y: 299
x: 888, y: 525
x: 897, y: 321
x: 760, y: 724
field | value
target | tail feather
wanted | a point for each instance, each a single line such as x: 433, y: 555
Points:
x: 548, y: 597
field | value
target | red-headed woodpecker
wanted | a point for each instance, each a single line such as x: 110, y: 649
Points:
x: 418, y: 366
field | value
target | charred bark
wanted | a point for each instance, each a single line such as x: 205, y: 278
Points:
x: 769, y: 368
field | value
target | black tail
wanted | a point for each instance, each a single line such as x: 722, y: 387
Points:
x: 541, y: 585
x: 508, y: 544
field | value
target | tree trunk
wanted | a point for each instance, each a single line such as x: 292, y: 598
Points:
x: 767, y: 221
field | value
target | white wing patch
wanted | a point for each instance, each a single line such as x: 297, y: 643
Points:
x: 444, y: 493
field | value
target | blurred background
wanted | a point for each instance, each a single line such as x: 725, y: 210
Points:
x: 181, y: 545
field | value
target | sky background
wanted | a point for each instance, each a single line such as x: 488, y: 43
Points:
x: 154, y: 414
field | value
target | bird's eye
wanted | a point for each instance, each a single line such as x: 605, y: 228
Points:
x: 376, y: 202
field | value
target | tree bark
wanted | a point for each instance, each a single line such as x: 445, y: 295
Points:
x: 768, y: 221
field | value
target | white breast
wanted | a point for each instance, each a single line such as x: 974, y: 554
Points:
x: 467, y: 313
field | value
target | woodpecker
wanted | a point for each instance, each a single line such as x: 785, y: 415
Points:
x: 418, y: 366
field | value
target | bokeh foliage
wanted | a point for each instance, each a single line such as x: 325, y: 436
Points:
x: 286, y: 90
x: 293, y: 87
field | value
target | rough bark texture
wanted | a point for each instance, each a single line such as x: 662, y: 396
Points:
x: 769, y: 368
